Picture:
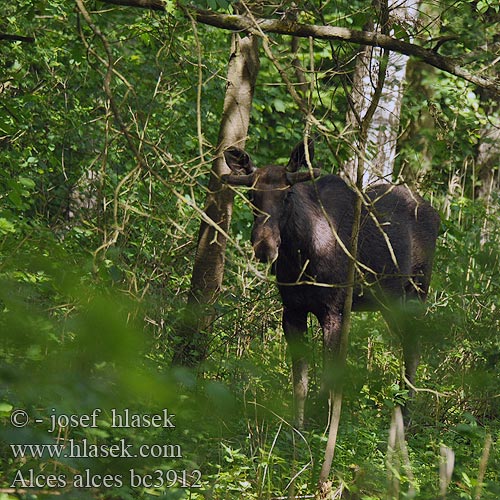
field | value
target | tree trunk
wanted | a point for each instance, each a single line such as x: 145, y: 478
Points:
x: 488, y: 161
x: 380, y: 151
x: 208, y: 269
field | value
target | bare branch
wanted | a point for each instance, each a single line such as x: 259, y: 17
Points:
x: 16, y: 38
x: 144, y: 4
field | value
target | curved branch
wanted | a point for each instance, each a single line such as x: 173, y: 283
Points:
x: 286, y: 27
x: 143, y: 4
x: 243, y: 23
x: 16, y: 38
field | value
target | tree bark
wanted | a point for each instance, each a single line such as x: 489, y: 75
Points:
x: 208, y: 269
x: 380, y: 151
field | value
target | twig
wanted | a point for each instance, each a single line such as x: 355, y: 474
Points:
x: 425, y: 389
x: 200, y: 87
x: 397, y: 452
x: 482, y: 466
x: 445, y: 469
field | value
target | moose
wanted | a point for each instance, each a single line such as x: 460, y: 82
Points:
x: 303, y: 226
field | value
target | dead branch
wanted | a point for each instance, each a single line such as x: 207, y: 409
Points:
x: 16, y: 38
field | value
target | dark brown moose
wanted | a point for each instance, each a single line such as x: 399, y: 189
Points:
x: 305, y: 229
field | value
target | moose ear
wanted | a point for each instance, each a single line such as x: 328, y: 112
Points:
x: 298, y: 156
x: 238, y: 161
x: 294, y: 177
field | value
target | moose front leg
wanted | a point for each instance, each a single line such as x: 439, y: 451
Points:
x: 405, y: 326
x: 295, y: 327
x: 335, y: 350
x: 333, y: 366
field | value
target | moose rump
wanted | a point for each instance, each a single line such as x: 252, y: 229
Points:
x: 305, y: 228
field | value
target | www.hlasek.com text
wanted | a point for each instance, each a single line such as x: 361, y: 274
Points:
x: 73, y: 448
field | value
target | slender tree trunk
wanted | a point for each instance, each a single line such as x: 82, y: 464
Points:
x: 324, y: 485
x: 380, y: 151
x: 208, y: 269
x: 83, y: 200
x: 488, y: 159
x: 488, y: 163
x: 488, y: 150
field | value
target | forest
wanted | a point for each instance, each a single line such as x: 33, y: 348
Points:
x: 142, y: 352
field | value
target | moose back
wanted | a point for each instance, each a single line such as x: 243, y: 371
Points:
x: 305, y: 229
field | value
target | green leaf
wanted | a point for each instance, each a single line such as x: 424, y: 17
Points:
x: 279, y: 105
x: 27, y: 183
x: 482, y: 6
x: 5, y: 408
x: 6, y: 226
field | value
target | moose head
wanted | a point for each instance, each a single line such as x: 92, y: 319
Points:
x: 269, y: 187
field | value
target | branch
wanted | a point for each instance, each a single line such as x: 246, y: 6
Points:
x: 243, y: 23
x: 16, y: 38
x: 284, y: 27
x: 144, y: 4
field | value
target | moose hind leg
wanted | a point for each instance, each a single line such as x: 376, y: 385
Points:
x: 404, y: 326
x: 411, y: 355
x: 295, y: 327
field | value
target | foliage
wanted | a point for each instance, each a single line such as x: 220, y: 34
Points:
x: 96, y: 244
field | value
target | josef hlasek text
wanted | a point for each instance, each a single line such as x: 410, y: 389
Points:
x: 119, y: 419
